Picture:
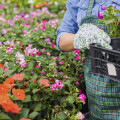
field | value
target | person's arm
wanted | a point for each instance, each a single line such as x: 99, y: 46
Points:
x: 66, y: 42
x: 68, y: 28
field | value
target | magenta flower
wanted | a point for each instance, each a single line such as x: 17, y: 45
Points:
x: 47, y: 40
x: 43, y: 26
x: 78, y: 57
x: 4, y: 31
x: 76, y: 51
x: 114, y: 6
x: 80, y: 76
x: 80, y: 116
x: 77, y: 83
x: 52, y: 45
x: 56, y: 58
x: 23, y: 63
x: 103, y: 7
x: 54, y: 86
x: 82, y: 97
x: 25, y: 32
x: 100, y: 15
x: 1, y: 6
x: 9, y: 50
x: 61, y: 62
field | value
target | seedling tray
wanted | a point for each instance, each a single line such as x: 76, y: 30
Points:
x: 105, y: 62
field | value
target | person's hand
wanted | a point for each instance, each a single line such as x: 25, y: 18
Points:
x: 88, y: 34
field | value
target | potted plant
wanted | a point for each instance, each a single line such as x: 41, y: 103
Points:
x: 111, y: 18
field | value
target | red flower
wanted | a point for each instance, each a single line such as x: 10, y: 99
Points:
x: 18, y: 77
x: 19, y: 93
x: 1, y: 66
x: 44, y: 82
x: 24, y: 119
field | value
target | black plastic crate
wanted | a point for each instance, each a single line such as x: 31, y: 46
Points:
x: 105, y: 62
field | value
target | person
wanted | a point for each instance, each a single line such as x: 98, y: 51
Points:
x: 80, y: 27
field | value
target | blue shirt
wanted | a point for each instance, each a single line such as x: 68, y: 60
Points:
x: 76, y: 11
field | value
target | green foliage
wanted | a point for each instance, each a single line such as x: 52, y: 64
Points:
x: 111, y: 18
x: 41, y: 102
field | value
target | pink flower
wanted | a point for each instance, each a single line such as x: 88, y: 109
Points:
x: 4, y: 31
x: 25, y: 83
x: 78, y: 57
x: 80, y: 116
x: 54, y: 86
x: 47, y: 40
x: 43, y: 26
x: 76, y: 51
x: 5, y: 69
x: 103, y: 7
x: 82, y: 97
x: 77, y: 83
x: 52, y: 45
x: 34, y: 80
x: 100, y: 15
x: 80, y: 76
x: 61, y: 62
x: 56, y: 58
x: 1, y: 6
x: 114, y: 6
x: 9, y: 50
x: 23, y: 63
x: 25, y: 32
x: 17, y: 62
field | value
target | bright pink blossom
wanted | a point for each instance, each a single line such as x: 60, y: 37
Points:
x: 4, y: 31
x: 9, y: 50
x: 25, y: 32
x: 82, y: 97
x: 103, y: 7
x: 61, y: 62
x: 78, y: 57
x: 100, y: 15
x: 52, y: 45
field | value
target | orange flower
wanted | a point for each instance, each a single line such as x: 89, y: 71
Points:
x: 46, y: 3
x: 1, y: 66
x: 3, y: 90
x: 15, y: 108
x: 9, y: 106
x: 18, y: 77
x: 9, y: 83
x: 39, y: 5
x: 19, y: 93
x: 24, y: 119
x: 4, y: 99
x: 44, y: 82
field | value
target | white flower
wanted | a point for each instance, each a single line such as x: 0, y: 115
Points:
x: 31, y: 1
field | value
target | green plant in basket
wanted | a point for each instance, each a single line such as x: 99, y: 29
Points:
x: 111, y: 17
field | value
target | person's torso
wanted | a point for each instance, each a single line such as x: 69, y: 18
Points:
x: 83, y: 6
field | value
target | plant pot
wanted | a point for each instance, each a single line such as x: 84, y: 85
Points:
x: 115, y: 43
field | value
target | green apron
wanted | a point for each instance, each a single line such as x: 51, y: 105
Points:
x: 103, y: 93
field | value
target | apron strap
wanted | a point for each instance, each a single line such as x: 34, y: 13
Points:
x: 89, y: 10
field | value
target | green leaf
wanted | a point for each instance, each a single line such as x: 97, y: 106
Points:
x: 4, y: 116
x: 27, y: 99
x: 35, y: 90
x: 71, y: 99
x: 33, y: 115
x: 9, y: 72
x: 62, y: 116
x: 24, y: 113
x: 38, y: 107
x: 1, y: 70
x: 42, y: 43
x: 30, y: 65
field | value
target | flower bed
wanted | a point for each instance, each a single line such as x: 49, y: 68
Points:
x: 42, y: 83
